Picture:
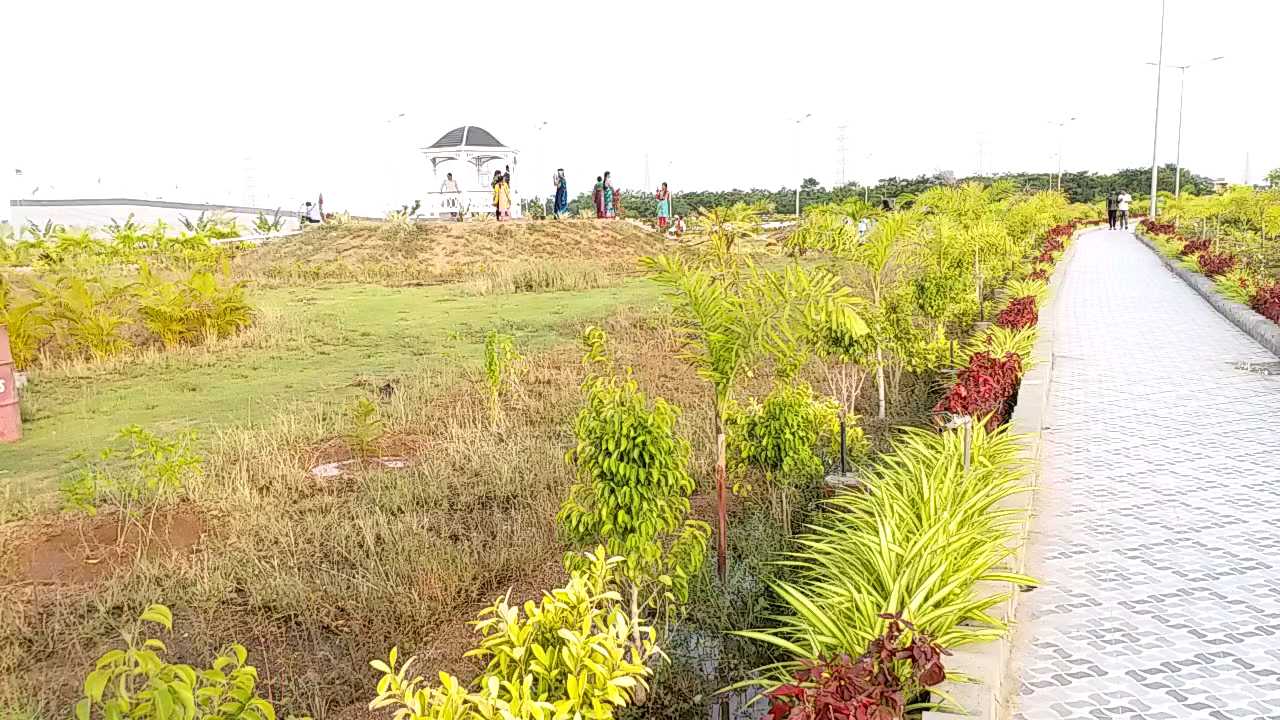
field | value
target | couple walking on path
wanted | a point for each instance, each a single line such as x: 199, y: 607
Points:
x: 1118, y: 210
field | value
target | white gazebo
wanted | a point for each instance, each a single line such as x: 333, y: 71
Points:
x: 455, y: 150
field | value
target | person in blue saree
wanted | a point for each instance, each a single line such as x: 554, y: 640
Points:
x: 608, y: 196
x: 562, y: 194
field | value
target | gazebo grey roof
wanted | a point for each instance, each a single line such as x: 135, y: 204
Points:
x: 470, y: 143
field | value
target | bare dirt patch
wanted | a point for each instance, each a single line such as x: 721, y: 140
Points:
x: 81, y: 551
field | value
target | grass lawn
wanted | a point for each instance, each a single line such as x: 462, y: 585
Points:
x: 351, y: 332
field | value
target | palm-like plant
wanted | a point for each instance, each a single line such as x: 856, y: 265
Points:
x: 28, y: 328
x: 728, y: 322
x: 839, y: 336
x: 881, y: 257
x: 725, y: 227
x: 87, y: 314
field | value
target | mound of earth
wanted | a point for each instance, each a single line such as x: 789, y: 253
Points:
x: 440, y: 249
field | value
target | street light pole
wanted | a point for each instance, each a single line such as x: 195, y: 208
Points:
x: 1177, y: 173
x: 537, y: 150
x: 1182, y: 95
x: 1182, y: 89
x: 1155, y: 132
x: 806, y: 117
x: 393, y: 170
x: 1061, y: 131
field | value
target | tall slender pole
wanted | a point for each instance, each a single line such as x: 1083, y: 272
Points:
x: 1060, y: 158
x: 798, y: 171
x: 1177, y: 175
x: 1155, y: 132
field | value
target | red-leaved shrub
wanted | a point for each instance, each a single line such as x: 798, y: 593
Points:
x: 1060, y: 231
x: 1214, y: 264
x: 1158, y: 228
x: 877, y: 686
x: 1018, y: 314
x: 983, y: 388
x: 1195, y: 247
x: 1040, y: 273
x: 1266, y: 301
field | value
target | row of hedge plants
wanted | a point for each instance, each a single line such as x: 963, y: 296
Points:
x: 1236, y: 279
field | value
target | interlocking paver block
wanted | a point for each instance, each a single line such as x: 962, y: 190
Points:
x: 1159, y: 537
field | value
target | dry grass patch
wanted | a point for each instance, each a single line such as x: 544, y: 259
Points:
x: 439, y: 252
x: 317, y: 576
x: 538, y: 277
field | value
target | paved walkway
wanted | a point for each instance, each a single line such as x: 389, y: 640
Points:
x: 1158, y: 534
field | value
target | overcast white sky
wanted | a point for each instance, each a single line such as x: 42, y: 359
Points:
x: 205, y: 101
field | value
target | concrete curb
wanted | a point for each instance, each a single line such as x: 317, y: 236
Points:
x: 1262, y: 330
x: 990, y: 665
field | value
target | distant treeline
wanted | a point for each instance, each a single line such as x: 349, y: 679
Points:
x: 1079, y: 187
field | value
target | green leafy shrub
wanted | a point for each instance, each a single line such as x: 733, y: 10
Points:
x: 365, y: 428
x: 632, y: 491
x: 786, y: 439
x: 567, y: 656
x: 942, y: 294
x: 137, y: 683
x: 264, y: 225
x: 500, y: 358
x: 150, y: 471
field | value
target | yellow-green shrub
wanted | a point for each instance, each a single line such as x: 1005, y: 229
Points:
x: 137, y: 683
x: 567, y: 656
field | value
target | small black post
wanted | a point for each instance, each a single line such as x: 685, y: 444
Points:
x: 843, y: 468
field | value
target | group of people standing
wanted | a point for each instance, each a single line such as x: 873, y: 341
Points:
x: 603, y: 196
x: 607, y: 201
x: 1118, y: 209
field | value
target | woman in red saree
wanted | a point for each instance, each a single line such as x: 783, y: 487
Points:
x: 597, y: 196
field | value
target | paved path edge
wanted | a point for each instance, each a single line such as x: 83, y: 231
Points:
x: 992, y: 667
x: 1262, y: 330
